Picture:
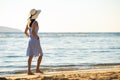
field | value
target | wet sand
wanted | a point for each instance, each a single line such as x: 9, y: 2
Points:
x: 101, y: 73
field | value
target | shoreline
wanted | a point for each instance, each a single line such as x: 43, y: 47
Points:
x: 101, y: 73
x: 70, y: 68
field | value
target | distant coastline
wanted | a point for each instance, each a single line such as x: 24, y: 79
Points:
x: 7, y: 29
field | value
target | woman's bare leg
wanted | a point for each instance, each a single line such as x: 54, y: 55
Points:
x: 29, y: 65
x: 38, y: 64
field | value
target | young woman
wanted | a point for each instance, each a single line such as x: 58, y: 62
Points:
x: 34, y: 48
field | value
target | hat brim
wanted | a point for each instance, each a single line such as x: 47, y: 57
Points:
x: 36, y: 15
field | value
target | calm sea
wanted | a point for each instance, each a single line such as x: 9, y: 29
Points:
x: 60, y: 50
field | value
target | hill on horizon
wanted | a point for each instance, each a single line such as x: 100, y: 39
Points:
x: 8, y: 29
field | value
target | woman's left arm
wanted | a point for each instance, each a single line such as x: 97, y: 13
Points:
x: 26, y: 29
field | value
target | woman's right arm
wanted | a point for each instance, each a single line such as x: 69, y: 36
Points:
x: 26, y: 29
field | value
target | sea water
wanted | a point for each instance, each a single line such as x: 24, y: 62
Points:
x: 60, y: 50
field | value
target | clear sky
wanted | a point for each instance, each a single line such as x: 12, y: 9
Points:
x: 63, y: 15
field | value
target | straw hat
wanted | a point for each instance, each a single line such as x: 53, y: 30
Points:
x: 34, y: 13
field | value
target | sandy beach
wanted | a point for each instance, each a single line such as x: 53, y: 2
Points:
x: 101, y: 73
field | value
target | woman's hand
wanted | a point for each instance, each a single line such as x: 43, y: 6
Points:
x: 37, y: 38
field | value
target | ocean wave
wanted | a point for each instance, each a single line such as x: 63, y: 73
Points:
x: 64, y: 65
x: 82, y: 65
x: 107, y: 64
x: 13, y: 56
x: 101, y: 51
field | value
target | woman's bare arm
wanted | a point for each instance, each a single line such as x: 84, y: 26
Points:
x: 26, y: 31
x: 35, y: 25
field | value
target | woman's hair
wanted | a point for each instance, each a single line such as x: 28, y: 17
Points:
x: 30, y: 21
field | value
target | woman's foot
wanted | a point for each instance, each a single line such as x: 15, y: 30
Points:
x: 38, y: 71
x: 30, y: 73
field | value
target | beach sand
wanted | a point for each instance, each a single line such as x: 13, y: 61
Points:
x: 106, y: 73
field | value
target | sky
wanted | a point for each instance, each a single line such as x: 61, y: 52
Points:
x: 63, y: 15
